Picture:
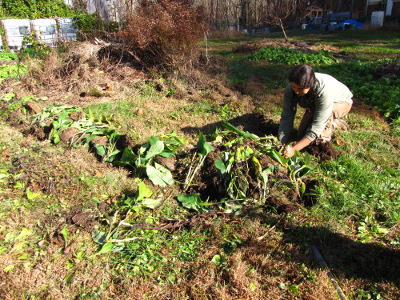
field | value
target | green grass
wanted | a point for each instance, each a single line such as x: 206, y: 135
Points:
x: 160, y: 256
x: 360, y: 190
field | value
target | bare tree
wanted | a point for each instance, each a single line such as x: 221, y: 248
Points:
x: 278, y: 11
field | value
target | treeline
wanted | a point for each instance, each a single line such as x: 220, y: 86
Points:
x: 251, y: 13
x: 220, y: 14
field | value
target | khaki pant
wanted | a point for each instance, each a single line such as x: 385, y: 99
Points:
x: 339, y: 111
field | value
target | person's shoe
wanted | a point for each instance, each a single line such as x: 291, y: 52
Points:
x: 340, y: 124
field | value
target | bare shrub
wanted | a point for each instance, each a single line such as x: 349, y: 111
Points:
x: 164, y: 33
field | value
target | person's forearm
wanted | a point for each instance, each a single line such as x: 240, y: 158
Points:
x: 290, y: 150
x: 304, y: 142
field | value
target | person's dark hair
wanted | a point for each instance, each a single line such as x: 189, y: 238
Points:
x: 304, y: 76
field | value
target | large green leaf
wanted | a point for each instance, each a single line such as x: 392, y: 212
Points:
x: 155, y: 149
x: 159, y: 175
x: 276, y: 156
x: 128, y: 156
x: 192, y: 201
x: 101, y: 150
x: 203, y: 147
x: 107, y: 247
x: 220, y: 165
x: 245, y: 134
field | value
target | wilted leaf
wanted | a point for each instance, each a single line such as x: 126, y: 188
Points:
x: 151, y: 203
x: 25, y: 232
x: 9, y: 268
x: 18, y: 247
x: 31, y: 195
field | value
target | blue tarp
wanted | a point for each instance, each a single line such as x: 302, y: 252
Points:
x: 357, y: 24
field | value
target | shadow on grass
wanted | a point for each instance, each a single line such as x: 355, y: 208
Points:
x: 349, y: 258
x: 253, y: 123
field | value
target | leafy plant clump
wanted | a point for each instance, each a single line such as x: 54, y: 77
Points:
x: 293, y: 57
x: 35, y: 9
x: 8, y: 56
x: 9, y: 71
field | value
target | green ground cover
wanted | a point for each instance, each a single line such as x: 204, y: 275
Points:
x: 95, y: 221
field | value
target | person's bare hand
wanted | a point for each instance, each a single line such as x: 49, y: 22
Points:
x: 289, y: 151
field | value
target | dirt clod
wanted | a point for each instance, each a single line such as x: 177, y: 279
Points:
x: 68, y: 134
x: 33, y: 107
x: 324, y: 151
x: 99, y: 140
x: 168, y: 162
x: 16, y: 117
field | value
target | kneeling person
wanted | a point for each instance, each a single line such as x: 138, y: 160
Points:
x: 326, y: 101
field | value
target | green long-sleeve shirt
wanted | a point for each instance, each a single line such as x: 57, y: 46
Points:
x: 328, y: 90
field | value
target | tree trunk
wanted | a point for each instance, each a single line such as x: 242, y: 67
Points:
x: 283, y: 29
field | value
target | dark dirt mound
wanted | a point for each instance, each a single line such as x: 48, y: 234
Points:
x: 207, y: 182
x: 68, y: 134
x: 323, y: 151
x: 389, y: 69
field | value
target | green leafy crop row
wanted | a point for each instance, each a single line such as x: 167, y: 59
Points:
x: 292, y: 57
